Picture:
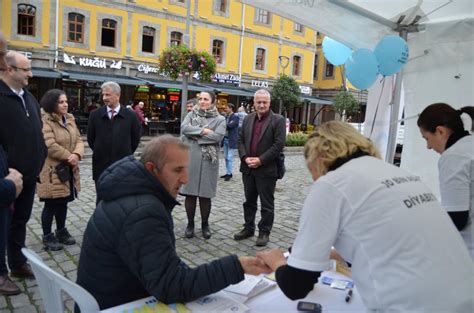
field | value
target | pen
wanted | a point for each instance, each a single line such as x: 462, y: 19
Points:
x: 348, y: 296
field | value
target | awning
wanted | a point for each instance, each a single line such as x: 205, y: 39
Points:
x: 45, y: 72
x: 231, y: 91
x: 121, y: 80
x: 316, y: 100
x: 171, y: 84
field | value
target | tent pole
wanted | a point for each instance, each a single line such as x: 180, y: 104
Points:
x: 395, y: 111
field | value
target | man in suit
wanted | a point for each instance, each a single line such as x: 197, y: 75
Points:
x: 113, y: 131
x: 261, y: 139
x: 22, y: 139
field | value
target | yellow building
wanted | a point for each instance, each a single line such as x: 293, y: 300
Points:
x: 328, y: 80
x: 78, y: 44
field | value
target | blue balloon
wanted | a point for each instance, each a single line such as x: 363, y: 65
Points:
x: 362, y: 68
x: 335, y: 52
x: 392, y: 54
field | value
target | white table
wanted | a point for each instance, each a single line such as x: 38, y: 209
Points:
x: 332, y: 300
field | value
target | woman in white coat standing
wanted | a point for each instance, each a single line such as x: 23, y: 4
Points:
x: 443, y: 129
x: 203, y: 129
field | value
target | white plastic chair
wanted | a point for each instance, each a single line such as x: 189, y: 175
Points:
x: 51, y: 283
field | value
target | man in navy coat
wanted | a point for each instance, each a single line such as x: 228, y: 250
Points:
x: 230, y: 140
x: 113, y: 131
x: 21, y: 138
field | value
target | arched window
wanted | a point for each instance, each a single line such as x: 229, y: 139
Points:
x: 176, y: 38
x: 260, y: 59
x: 296, y: 65
x: 109, y: 28
x: 26, y: 19
x: 148, y: 39
x: 75, y: 27
x: 218, y: 50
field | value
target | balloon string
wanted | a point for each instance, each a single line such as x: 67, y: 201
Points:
x: 377, y: 107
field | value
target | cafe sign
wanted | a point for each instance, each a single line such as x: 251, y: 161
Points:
x: 305, y: 90
x: 226, y: 78
x: 145, y: 68
x: 260, y: 83
x: 95, y: 62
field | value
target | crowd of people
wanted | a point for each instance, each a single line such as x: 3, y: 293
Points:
x: 401, y: 244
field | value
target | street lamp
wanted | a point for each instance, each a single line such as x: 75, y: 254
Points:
x: 284, y: 62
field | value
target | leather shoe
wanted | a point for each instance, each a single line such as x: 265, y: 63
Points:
x: 23, y: 271
x: 206, y: 232
x: 224, y: 176
x: 244, y: 234
x: 228, y: 177
x: 7, y: 287
x: 189, y: 232
x: 262, y: 240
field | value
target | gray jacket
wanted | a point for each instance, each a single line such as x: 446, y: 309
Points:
x: 203, y: 173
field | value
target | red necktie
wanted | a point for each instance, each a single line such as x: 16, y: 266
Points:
x: 112, y: 114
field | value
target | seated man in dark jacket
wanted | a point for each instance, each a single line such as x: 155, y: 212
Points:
x: 129, y: 251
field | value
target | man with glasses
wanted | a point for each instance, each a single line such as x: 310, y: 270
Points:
x: 22, y: 139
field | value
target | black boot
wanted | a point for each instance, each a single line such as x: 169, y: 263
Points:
x: 189, y: 232
x: 51, y: 243
x: 65, y: 237
x: 206, y: 232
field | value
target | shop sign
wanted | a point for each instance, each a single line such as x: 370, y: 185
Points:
x: 226, y: 78
x: 305, y: 90
x: 92, y: 62
x: 145, y: 68
x: 260, y: 83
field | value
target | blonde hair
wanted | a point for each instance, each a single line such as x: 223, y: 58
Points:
x: 333, y: 140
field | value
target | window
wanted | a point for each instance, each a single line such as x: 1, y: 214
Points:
x: 76, y: 27
x: 108, y: 32
x: 148, y: 39
x: 26, y: 19
x: 296, y: 65
x: 176, y: 38
x: 218, y: 50
x: 315, y: 68
x: 298, y: 28
x: 222, y: 6
x: 260, y: 59
x: 262, y: 16
x: 329, y: 70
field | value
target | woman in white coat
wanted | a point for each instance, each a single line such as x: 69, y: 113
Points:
x: 203, y: 129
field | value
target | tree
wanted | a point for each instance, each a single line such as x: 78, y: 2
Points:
x: 179, y: 60
x: 286, y: 91
x: 345, y: 104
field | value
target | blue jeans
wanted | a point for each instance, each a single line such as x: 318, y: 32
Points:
x: 229, y: 157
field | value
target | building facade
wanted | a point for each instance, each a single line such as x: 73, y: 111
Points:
x: 78, y: 44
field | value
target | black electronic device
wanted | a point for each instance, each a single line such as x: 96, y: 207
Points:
x: 305, y: 306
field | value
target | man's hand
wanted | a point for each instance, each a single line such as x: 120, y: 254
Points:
x: 253, y: 265
x: 73, y: 160
x: 274, y: 258
x: 17, y: 178
x: 253, y: 162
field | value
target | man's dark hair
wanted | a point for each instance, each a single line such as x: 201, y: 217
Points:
x: 50, y: 100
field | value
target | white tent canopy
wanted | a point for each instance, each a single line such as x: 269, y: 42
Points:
x: 441, y: 63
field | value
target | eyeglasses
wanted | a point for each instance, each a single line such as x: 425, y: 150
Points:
x: 21, y: 68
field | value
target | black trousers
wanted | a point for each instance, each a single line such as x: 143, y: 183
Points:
x: 15, y: 237
x: 264, y: 188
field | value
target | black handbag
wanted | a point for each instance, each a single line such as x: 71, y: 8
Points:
x: 281, y: 169
x: 63, y: 171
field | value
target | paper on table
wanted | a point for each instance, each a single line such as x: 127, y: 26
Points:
x: 245, y: 286
x: 217, y: 302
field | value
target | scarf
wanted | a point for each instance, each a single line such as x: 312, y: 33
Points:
x: 209, y: 151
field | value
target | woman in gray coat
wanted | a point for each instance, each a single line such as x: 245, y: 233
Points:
x: 203, y: 129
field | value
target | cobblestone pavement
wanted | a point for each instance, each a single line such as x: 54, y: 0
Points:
x: 226, y: 219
